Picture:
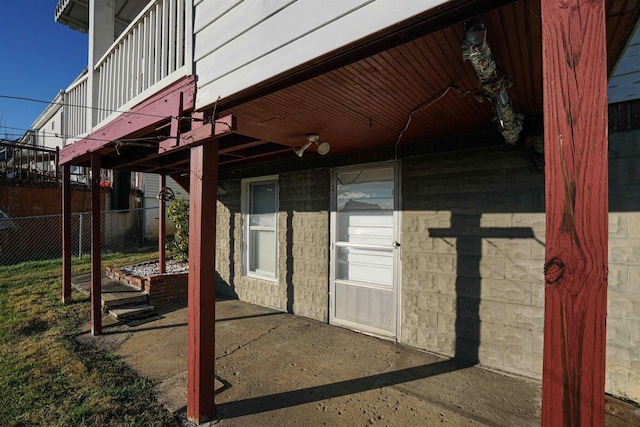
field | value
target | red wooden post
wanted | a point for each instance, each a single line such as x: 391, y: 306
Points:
x: 575, y: 121
x: 202, y: 281
x: 66, y: 233
x: 162, y: 207
x: 96, y: 269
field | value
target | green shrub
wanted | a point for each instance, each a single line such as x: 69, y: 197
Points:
x: 178, y: 214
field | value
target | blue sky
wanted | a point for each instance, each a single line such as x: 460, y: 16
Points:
x: 38, y: 57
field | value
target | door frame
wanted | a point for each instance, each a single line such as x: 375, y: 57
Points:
x: 397, y: 253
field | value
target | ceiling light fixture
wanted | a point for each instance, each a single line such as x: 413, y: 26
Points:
x: 322, y: 147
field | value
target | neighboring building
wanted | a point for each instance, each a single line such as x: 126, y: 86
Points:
x: 420, y: 225
x: 624, y: 85
x: 150, y: 186
x: 48, y: 128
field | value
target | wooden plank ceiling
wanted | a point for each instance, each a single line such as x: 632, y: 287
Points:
x: 364, y: 98
x: 367, y: 103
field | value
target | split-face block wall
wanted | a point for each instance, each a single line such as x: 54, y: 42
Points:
x: 473, y: 245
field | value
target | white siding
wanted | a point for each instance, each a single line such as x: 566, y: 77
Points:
x: 625, y: 83
x: 152, y: 188
x: 49, y: 135
x: 240, y: 43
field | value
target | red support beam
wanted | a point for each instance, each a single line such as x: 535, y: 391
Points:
x: 202, y: 281
x: 96, y: 269
x: 66, y: 234
x: 159, y: 107
x: 199, y: 134
x: 575, y: 120
x: 162, y: 231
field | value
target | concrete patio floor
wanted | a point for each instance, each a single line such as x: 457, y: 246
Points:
x: 276, y: 369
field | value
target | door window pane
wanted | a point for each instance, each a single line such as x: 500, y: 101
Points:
x: 365, y: 207
x: 365, y: 265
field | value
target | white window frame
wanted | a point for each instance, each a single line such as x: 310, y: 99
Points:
x: 247, y: 228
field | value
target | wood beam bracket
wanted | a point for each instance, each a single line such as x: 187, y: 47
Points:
x: 175, y: 123
x: 199, y: 135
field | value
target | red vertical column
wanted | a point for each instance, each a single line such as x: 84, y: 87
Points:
x: 162, y: 231
x: 576, y: 173
x: 66, y: 233
x: 96, y: 269
x: 202, y: 290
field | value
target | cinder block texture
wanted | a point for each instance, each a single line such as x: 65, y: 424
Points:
x: 302, y: 284
x: 473, y: 250
x: 472, y: 258
x: 623, y: 304
x: 473, y: 232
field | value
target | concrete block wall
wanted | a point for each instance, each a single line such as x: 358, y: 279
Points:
x: 473, y: 227
x: 228, y: 218
x: 304, y: 214
x: 303, y: 255
x: 473, y: 233
x: 471, y: 291
x: 623, y: 310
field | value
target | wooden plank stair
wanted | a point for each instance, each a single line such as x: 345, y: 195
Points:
x: 121, y: 301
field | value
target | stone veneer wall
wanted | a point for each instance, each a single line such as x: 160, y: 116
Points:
x: 473, y: 232
x: 480, y: 296
x: 623, y: 311
x: 303, y: 259
x: 473, y: 227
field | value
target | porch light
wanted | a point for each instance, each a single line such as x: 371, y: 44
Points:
x: 322, y: 147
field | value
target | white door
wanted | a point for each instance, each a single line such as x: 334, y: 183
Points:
x: 365, y: 249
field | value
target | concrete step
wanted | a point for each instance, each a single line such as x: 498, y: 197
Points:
x: 132, y: 312
x: 122, y: 297
x: 114, y: 293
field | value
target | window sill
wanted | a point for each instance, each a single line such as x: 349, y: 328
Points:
x: 261, y: 277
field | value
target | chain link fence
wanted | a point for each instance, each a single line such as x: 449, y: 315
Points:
x: 40, y: 237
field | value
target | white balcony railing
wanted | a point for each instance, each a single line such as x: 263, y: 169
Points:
x: 75, y: 108
x: 153, y: 49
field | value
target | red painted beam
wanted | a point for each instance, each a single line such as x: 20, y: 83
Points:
x: 162, y: 232
x: 199, y: 134
x: 202, y: 281
x: 96, y: 258
x: 181, y: 180
x: 159, y: 107
x: 66, y: 234
x: 575, y: 120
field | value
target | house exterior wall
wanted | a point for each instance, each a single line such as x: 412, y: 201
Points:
x: 239, y: 44
x: 476, y: 293
x: 151, y: 188
x: 623, y: 309
x: 624, y: 85
x: 473, y: 235
x: 303, y: 254
x: 49, y: 131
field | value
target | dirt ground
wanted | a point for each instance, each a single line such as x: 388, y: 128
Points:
x: 275, y: 369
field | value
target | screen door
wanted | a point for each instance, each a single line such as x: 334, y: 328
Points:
x: 365, y: 250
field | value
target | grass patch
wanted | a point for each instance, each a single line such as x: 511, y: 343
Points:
x: 46, y: 377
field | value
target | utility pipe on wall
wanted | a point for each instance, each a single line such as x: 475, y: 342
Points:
x: 494, y: 83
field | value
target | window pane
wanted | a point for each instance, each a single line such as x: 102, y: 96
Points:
x: 262, y: 255
x: 365, y: 207
x: 263, y: 204
x: 365, y: 265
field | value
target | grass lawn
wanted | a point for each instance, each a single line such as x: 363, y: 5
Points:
x: 46, y: 378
